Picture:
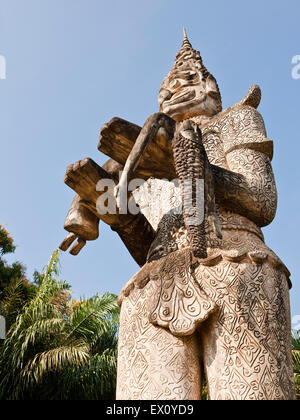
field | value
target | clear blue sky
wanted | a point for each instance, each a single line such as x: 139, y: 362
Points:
x: 72, y: 65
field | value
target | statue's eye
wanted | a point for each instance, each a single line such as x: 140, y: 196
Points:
x: 175, y: 84
x: 192, y: 76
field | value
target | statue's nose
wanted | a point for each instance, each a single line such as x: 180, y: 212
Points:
x: 164, y: 95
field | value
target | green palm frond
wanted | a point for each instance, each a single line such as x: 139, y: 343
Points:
x: 296, y: 361
x: 10, y: 303
x: 94, y: 380
x: 55, y: 360
x: 93, y: 316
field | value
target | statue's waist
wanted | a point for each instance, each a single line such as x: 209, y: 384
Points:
x: 183, y: 286
x: 172, y: 234
x: 235, y: 222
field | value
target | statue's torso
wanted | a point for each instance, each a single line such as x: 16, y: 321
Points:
x: 160, y: 200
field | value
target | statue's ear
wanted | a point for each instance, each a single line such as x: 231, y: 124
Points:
x: 211, y: 85
x: 252, y: 98
x: 213, y: 91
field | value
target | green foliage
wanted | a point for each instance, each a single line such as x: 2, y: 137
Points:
x: 204, y: 392
x: 296, y: 360
x: 13, y: 298
x: 59, y: 348
x: 11, y: 274
x: 15, y: 289
x: 6, y: 242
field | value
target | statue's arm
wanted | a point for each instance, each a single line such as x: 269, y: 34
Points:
x: 158, y: 122
x: 248, y: 185
x: 83, y: 217
x: 119, y: 140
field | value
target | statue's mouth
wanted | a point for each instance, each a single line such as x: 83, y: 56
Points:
x: 183, y: 103
x: 183, y: 97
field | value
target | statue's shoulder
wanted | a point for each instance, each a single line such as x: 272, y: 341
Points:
x: 242, y: 126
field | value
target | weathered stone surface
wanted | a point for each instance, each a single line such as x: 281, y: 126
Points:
x: 224, y: 309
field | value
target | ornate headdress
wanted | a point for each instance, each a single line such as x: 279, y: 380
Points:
x: 189, y: 59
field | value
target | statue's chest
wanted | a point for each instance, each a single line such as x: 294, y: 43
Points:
x: 158, y: 199
x: 212, y: 142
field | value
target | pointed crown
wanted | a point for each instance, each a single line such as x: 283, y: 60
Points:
x: 187, y: 58
x: 187, y: 55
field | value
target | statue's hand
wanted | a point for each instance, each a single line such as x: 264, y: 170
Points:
x: 120, y: 192
x: 117, y: 194
x: 67, y: 242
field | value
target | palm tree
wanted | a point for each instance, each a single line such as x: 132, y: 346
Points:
x: 59, y: 348
x: 296, y: 360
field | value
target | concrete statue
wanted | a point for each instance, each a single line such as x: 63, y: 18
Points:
x: 210, y: 297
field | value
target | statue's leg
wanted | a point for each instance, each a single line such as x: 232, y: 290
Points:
x: 247, y: 344
x: 152, y: 363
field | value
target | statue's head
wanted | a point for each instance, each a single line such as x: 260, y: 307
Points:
x: 189, y: 90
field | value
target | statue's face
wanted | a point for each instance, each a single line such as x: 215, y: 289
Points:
x: 185, y: 94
